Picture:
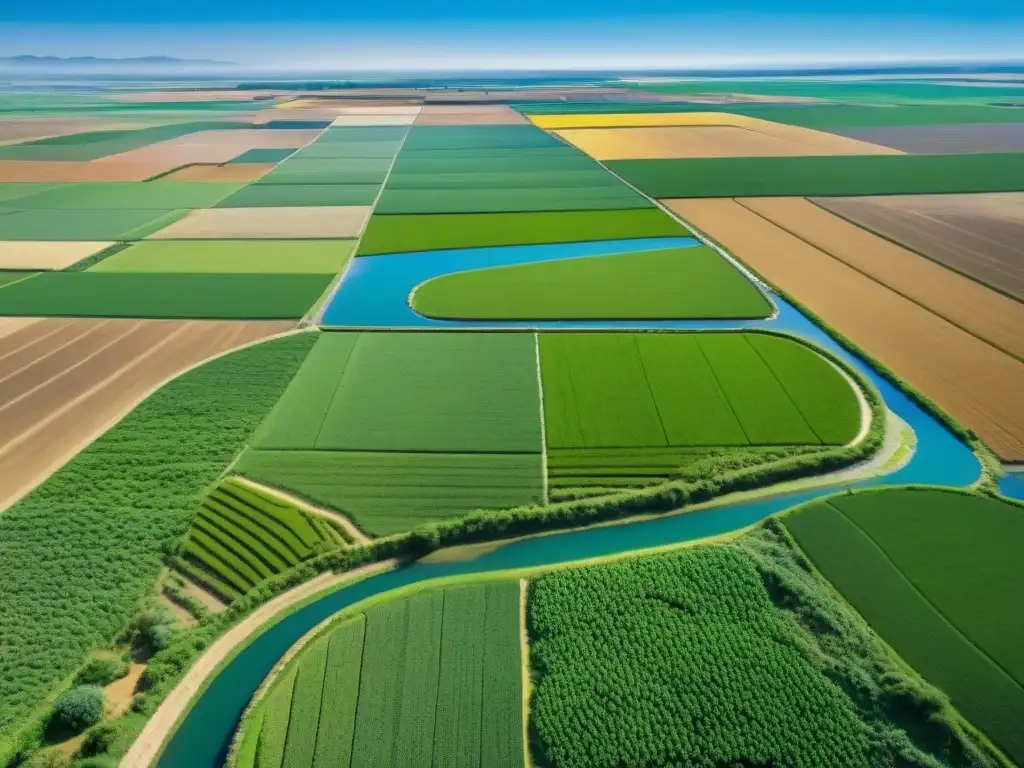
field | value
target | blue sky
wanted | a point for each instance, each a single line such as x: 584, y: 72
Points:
x: 533, y: 33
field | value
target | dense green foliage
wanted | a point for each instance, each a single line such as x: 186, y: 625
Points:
x: 388, y: 492
x: 420, y: 392
x: 78, y: 552
x: 316, y: 257
x: 242, y: 535
x: 430, y: 679
x: 675, y: 283
x: 607, y: 392
x: 936, y: 573
x: 729, y: 655
x: 102, y: 669
x: 125, y: 294
x: 77, y: 709
x: 427, y: 232
x: 825, y: 175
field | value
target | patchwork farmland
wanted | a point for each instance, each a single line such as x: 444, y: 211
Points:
x: 488, y: 423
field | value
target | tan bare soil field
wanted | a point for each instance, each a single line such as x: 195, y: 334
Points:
x: 977, y: 309
x: 457, y: 114
x: 979, y: 235
x: 64, y: 382
x: 236, y: 172
x: 9, y: 325
x: 298, y: 222
x: 45, y: 255
x: 276, y: 115
x: 379, y: 109
x: 976, y: 383
x: 72, y: 171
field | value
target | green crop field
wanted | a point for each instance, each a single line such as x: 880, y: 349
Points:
x: 128, y: 195
x: 14, y: 276
x: 242, y: 536
x: 11, y: 191
x: 262, y: 156
x: 389, y: 492
x: 732, y: 654
x: 419, y: 392
x: 824, y: 176
x: 663, y: 284
x: 658, y: 390
x: 124, y: 294
x: 433, y: 679
x: 99, y: 225
x: 397, y: 234
x: 279, y: 195
x: 326, y: 257
x: 78, y: 553
x: 936, y: 574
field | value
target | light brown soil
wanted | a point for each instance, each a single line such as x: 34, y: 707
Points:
x: 276, y: 115
x: 358, y: 536
x: 210, y: 600
x: 158, y: 727
x: 70, y: 171
x: 458, y: 114
x: 237, y: 172
x: 45, y: 255
x: 758, y: 139
x: 9, y: 325
x: 976, y: 383
x: 991, y: 316
x: 183, y: 617
x: 64, y: 382
x: 978, y: 235
x: 119, y: 693
x: 322, y: 222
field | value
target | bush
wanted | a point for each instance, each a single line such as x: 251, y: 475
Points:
x: 77, y: 709
x: 102, y: 670
x: 160, y: 636
x: 98, y: 740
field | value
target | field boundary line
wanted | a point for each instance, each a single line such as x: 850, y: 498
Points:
x: 764, y: 288
x: 134, y: 403
x: 334, y: 393
x: 814, y: 201
x: 22, y: 279
x: 721, y: 389
x: 316, y: 313
x: 116, y: 340
x: 878, y: 282
x: 162, y: 723
x: 543, y: 424
x: 33, y: 342
x: 74, y: 339
x: 313, y: 509
x: 785, y: 391
x: 934, y: 608
x: 650, y: 391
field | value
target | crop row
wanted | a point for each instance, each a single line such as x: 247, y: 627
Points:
x: 241, y: 537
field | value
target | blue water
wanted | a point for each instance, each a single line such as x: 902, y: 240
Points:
x: 368, y: 297
x: 1011, y: 485
x: 375, y: 290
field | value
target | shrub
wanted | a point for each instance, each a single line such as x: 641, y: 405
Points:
x: 160, y: 636
x: 102, y: 670
x: 77, y: 709
x: 98, y: 740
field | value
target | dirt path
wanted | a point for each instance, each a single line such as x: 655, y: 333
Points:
x: 60, y: 393
x: 160, y: 725
x: 358, y: 536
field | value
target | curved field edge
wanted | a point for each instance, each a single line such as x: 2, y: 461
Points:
x: 928, y: 601
x: 114, y: 534
x: 989, y: 462
x: 762, y: 544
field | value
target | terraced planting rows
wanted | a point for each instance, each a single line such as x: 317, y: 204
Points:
x: 432, y: 679
x: 935, y: 573
x: 242, y: 536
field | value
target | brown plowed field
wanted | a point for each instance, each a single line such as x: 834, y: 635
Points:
x: 977, y: 384
x: 294, y: 222
x: 979, y: 235
x: 234, y: 172
x: 64, y: 382
x: 987, y: 314
x: 459, y: 114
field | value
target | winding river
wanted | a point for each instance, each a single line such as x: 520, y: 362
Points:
x: 379, y: 288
